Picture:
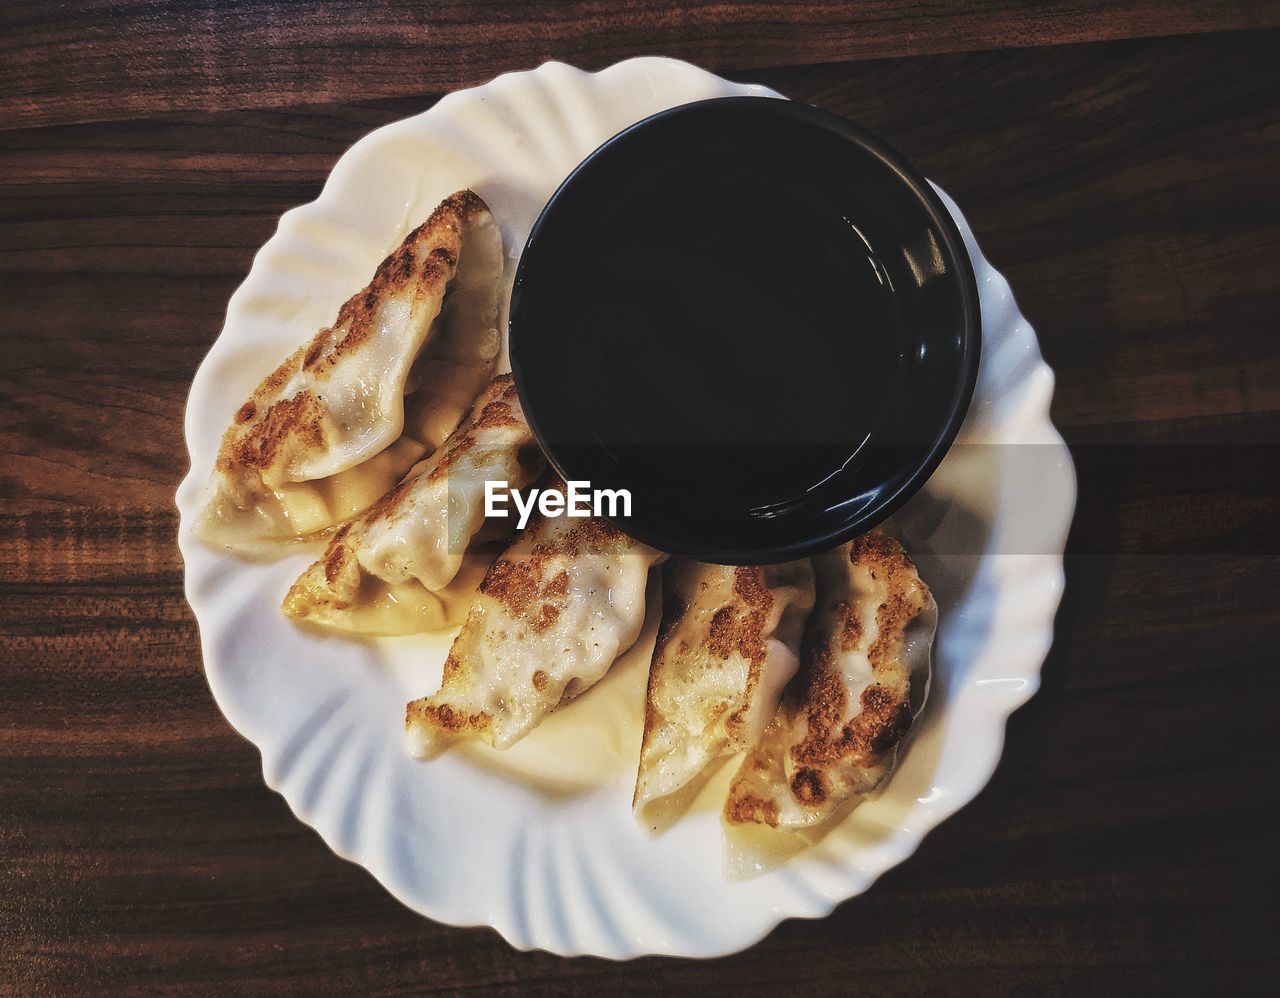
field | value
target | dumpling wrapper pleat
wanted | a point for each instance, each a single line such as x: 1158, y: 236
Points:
x: 325, y: 435
x: 412, y: 561
x: 728, y: 644
x: 553, y: 614
x: 863, y: 679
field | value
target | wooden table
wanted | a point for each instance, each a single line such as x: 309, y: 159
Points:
x: 1119, y: 162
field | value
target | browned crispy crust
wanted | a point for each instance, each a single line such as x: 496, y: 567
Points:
x: 262, y: 426
x: 743, y: 633
x: 443, y: 716
x: 525, y: 585
x: 747, y: 808
x: 496, y: 409
x: 741, y: 630
x: 398, y: 270
x: 738, y: 627
x: 300, y: 417
x: 520, y: 583
x: 871, y: 737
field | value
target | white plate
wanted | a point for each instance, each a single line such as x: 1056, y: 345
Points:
x: 539, y: 841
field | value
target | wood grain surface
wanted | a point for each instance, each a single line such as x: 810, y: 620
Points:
x: 97, y: 60
x: 1126, y: 187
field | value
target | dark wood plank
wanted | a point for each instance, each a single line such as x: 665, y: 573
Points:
x: 1127, y: 191
x: 110, y: 59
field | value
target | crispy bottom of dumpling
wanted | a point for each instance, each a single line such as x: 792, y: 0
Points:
x: 325, y: 434
x: 553, y: 613
x: 728, y: 644
x: 863, y: 677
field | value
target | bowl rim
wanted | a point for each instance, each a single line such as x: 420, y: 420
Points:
x: 954, y: 253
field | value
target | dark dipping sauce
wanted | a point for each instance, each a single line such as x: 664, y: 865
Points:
x: 710, y: 313
x: 740, y: 357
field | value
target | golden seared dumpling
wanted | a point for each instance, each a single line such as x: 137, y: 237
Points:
x: 554, y: 612
x: 326, y: 434
x: 398, y: 568
x: 863, y: 678
x: 728, y: 644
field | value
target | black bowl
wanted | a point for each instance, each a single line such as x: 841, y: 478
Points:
x: 755, y: 317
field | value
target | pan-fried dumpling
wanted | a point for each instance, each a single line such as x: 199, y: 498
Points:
x: 863, y: 678
x: 395, y: 568
x: 554, y: 612
x: 325, y: 435
x: 728, y: 644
